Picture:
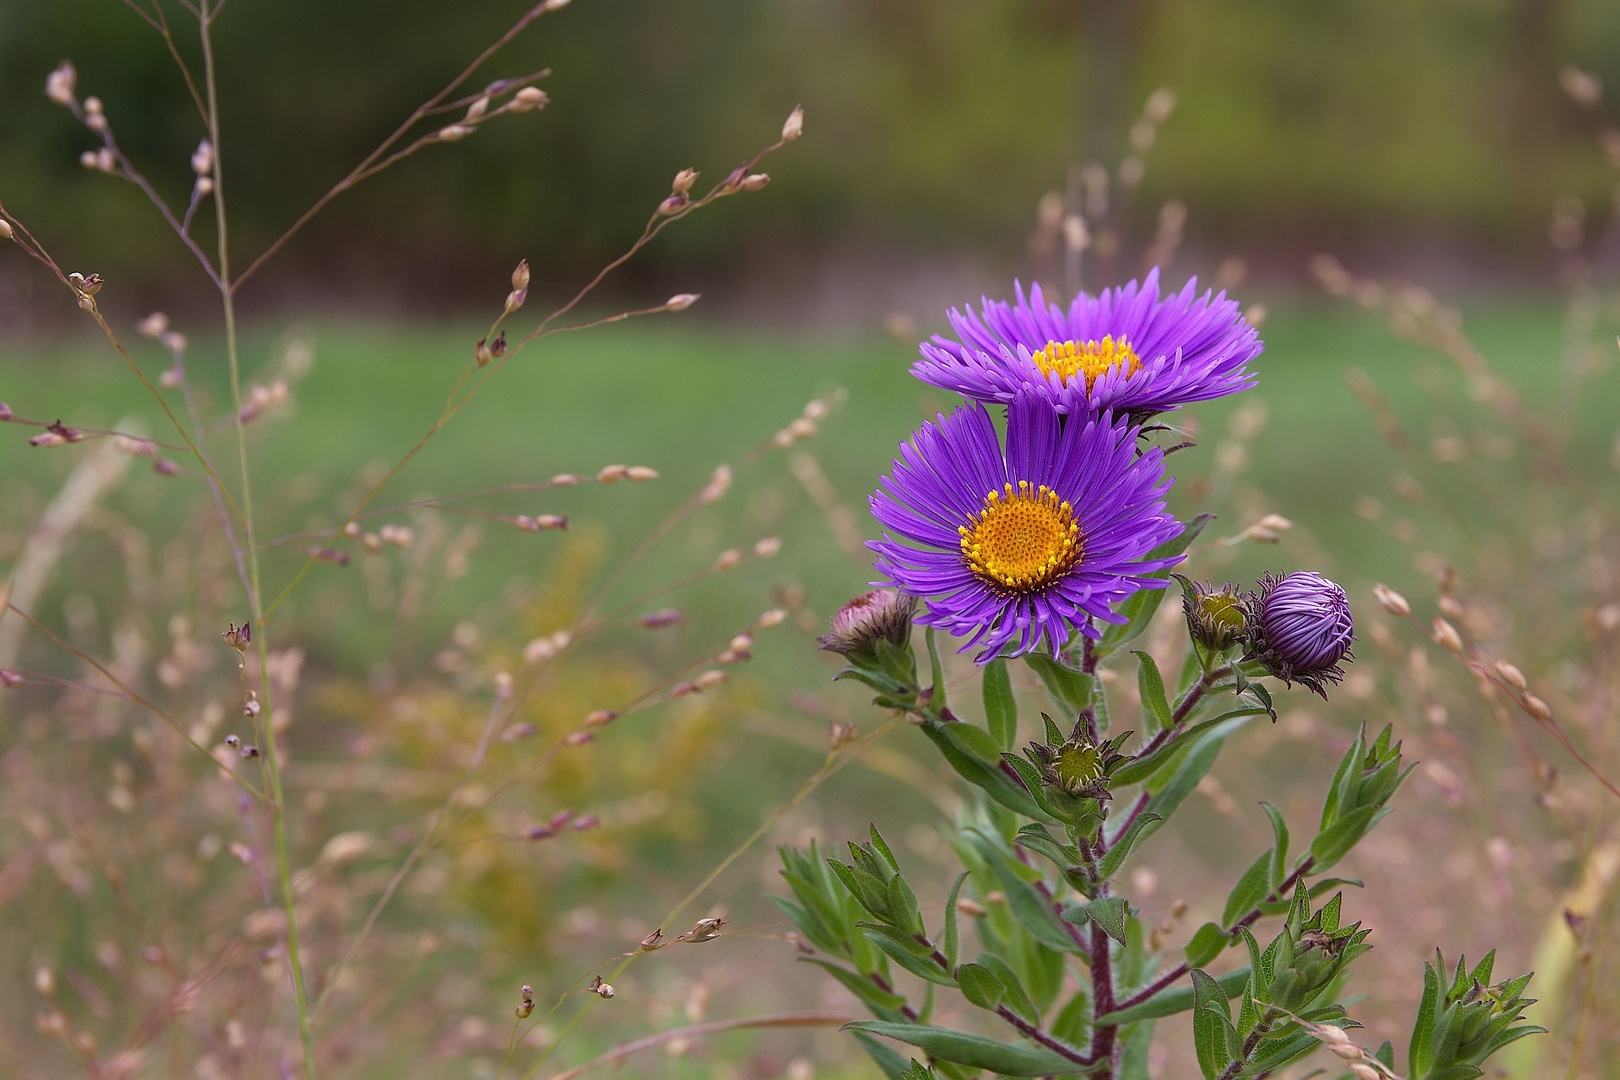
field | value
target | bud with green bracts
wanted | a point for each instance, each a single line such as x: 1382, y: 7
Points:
x: 873, y: 633
x: 1217, y: 619
x: 1460, y: 1025
x: 1365, y: 780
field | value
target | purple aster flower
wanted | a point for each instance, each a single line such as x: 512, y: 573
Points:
x: 1301, y: 628
x: 1027, y: 543
x: 1128, y: 349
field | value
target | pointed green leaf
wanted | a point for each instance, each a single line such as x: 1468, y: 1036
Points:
x: 1155, y: 706
x: 1071, y: 690
x: 892, y: 1065
x: 1000, y: 710
x: 950, y: 937
x: 1253, y: 887
x: 1115, y: 857
x: 1110, y: 913
x: 1015, y: 996
x: 863, y: 988
x: 1208, y: 942
x: 891, y: 942
x: 936, y: 703
x: 974, y: 1051
x: 953, y: 743
x: 980, y: 986
x: 1027, y: 905
x: 1170, y: 1001
x: 1279, y: 848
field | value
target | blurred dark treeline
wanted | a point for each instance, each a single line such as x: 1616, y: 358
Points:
x: 1399, y: 126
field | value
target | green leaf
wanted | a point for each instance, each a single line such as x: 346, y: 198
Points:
x: 1068, y: 688
x: 1208, y: 942
x: 883, y: 849
x: 893, y: 1066
x: 1017, y: 998
x: 1155, y: 706
x: 863, y: 988
x: 1073, y: 1022
x: 894, y: 944
x: 974, y: 1051
x: 1110, y: 913
x: 1279, y: 848
x: 1000, y: 710
x: 903, y: 904
x: 1346, y: 780
x: 1116, y: 855
x: 1140, y: 607
x: 1250, y: 889
x: 1213, y: 1037
x: 1027, y: 905
x: 1169, y: 1002
x: 936, y: 703
x: 980, y: 986
x: 1194, y: 763
x: 951, y: 937
x: 1335, y: 842
x: 956, y: 746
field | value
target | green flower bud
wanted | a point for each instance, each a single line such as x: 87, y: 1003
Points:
x: 1217, y: 619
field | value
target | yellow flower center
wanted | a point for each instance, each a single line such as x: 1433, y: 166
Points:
x: 1023, y: 539
x: 1069, y: 359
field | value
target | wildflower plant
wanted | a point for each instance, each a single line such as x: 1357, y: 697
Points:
x: 1044, y: 542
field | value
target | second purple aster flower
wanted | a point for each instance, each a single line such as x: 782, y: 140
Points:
x: 1127, y: 349
x: 1026, y: 543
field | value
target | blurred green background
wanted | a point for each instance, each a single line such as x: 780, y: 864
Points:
x: 1416, y: 139
x: 1418, y: 133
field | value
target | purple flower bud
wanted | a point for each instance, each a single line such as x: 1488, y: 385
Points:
x: 1301, y: 628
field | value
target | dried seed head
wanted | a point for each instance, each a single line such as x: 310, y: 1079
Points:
x: 683, y: 181
x: 165, y: 467
x: 478, y: 108
x: 652, y: 940
x: 9, y: 678
x: 202, y: 159
x: 60, y: 83
x: 515, y: 299
x: 455, y: 132
x: 105, y: 161
x: 768, y: 547
x: 1393, y: 602
x: 1076, y: 237
x: 674, y: 204
x: 566, y: 480
x: 717, y: 486
x: 610, y: 474
x: 1159, y: 105
x: 742, y: 642
x: 711, y: 679
x: 601, y: 717
x: 1584, y: 88
x: 88, y: 159
x: 587, y: 821
x: 92, y: 106
x: 528, y: 99
x: 681, y: 301
x: 793, y: 127
x: 971, y: 907
x: 237, y: 637
x: 95, y: 121
x: 5, y: 230
x: 520, y: 276
x: 1537, y: 708
x: 841, y: 734
x: 250, y: 751
x: 640, y: 474
x: 773, y: 617
x: 1450, y: 608
x: 1445, y: 635
x: 657, y: 620
x: 232, y: 741
x: 153, y: 326
x: 605, y: 991
x: 205, y: 185
x: 1511, y: 675
x: 728, y: 559
x: 554, y: 5
x: 44, y: 981
x: 683, y: 689
x: 578, y: 738
x: 703, y: 930
x: 482, y: 353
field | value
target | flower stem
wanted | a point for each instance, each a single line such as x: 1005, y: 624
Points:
x: 271, y: 757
